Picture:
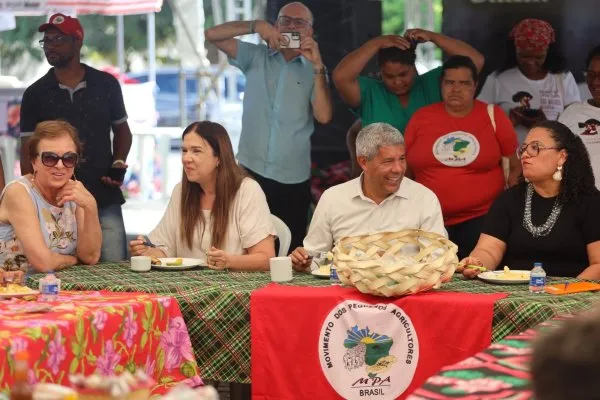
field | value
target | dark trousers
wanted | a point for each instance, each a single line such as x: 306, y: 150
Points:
x: 288, y: 202
x: 465, y: 235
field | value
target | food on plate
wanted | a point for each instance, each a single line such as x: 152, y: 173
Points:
x: 155, y: 261
x: 177, y: 263
x: 507, y: 274
x: 13, y: 288
x: 325, y: 269
x: 126, y: 386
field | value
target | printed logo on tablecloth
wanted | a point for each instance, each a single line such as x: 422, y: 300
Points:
x: 368, y: 351
x: 456, y: 149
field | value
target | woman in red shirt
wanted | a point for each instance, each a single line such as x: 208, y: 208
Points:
x: 455, y: 148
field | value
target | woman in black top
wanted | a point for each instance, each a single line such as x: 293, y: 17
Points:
x: 553, y: 216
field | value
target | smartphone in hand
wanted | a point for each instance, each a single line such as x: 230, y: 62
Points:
x: 117, y: 174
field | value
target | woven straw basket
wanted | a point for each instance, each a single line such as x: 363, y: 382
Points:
x: 380, y: 264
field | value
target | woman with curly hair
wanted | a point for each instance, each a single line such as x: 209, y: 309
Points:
x: 551, y: 216
x: 535, y: 70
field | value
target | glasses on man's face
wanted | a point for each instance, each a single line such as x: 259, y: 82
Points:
x: 286, y: 22
x: 50, y: 159
x: 55, y: 41
x: 591, y: 75
x: 533, y: 149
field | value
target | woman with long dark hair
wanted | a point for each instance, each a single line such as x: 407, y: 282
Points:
x: 551, y: 216
x: 535, y: 67
x: 216, y: 213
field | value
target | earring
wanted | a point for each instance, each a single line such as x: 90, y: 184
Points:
x: 557, y: 176
x: 34, y: 174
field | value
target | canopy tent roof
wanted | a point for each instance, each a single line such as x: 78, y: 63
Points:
x: 105, y: 7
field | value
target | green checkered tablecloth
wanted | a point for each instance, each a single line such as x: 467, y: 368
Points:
x: 216, y: 307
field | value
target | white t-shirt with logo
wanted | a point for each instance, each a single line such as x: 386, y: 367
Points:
x: 551, y: 94
x: 583, y: 119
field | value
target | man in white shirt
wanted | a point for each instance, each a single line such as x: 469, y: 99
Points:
x: 380, y: 200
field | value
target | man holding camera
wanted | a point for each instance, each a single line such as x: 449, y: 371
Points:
x: 286, y: 87
x: 92, y: 102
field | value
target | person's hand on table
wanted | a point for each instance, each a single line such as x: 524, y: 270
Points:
x: 137, y: 247
x: 301, y: 259
x: 217, y: 259
x: 469, y: 273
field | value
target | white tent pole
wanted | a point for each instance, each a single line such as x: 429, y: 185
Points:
x: 121, y: 44
x: 151, y: 48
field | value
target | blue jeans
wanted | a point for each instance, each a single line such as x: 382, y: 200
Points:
x: 114, y: 241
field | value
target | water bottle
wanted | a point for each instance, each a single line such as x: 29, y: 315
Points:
x: 333, y: 276
x: 537, y: 280
x: 49, y: 287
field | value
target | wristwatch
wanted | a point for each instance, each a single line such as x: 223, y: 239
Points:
x: 118, y: 162
x: 322, y: 70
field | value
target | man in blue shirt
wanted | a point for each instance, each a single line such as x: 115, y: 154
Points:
x: 285, y: 89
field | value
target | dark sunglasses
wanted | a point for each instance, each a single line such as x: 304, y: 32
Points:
x: 50, y: 159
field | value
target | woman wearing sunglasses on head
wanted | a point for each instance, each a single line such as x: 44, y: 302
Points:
x: 48, y: 220
x: 551, y: 216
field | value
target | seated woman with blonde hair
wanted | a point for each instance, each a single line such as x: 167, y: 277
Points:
x: 552, y: 217
x: 49, y: 221
x: 216, y: 212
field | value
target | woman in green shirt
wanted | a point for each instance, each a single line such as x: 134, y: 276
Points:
x: 401, y: 90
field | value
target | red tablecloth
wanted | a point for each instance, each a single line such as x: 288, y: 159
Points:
x: 87, y: 332
x: 334, y: 342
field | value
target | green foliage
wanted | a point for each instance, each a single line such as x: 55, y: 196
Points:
x: 393, y: 17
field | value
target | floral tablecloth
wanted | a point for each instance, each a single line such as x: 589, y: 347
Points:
x: 87, y: 332
x: 499, y: 372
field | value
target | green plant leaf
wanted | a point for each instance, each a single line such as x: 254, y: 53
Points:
x: 160, y: 361
x: 165, y: 379
x: 188, y: 369
x: 80, y: 330
x: 131, y: 367
x: 94, y: 335
x: 34, y: 333
x: 148, y: 310
x: 144, y: 339
x: 76, y: 349
x: 91, y: 359
x: 161, y: 310
x: 73, y: 367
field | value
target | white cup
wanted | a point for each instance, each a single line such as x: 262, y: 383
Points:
x: 140, y: 263
x: 281, y: 269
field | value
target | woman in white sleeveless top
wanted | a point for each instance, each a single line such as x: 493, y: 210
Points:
x: 47, y: 220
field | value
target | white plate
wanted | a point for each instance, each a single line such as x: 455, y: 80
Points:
x: 187, y: 263
x: 319, y: 274
x: 496, y: 277
x: 11, y: 295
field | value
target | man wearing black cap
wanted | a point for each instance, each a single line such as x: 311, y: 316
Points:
x: 91, y: 101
